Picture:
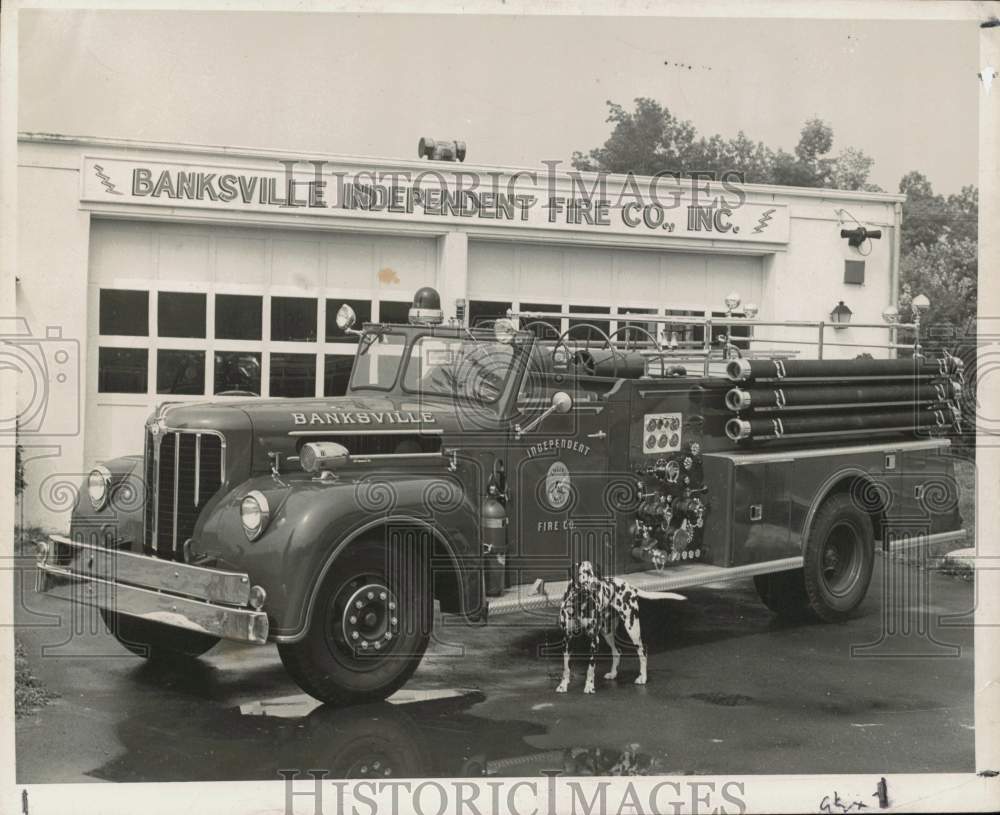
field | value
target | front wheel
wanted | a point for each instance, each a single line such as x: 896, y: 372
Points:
x: 156, y: 641
x: 369, y: 629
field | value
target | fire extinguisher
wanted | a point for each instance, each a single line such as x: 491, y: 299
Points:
x: 494, y: 538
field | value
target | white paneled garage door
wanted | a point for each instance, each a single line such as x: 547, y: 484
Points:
x: 592, y: 279
x: 181, y: 312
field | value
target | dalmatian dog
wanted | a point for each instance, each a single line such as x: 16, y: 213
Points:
x: 591, y: 608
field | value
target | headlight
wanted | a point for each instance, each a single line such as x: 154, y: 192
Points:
x: 254, y: 513
x: 99, y: 487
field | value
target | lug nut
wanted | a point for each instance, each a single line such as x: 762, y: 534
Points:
x: 353, y: 619
x: 354, y: 635
x: 382, y: 595
x: 371, y: 595
x: 359, y: 604
x: 378, y: 645
x: 388, y: 635
x: 394, y: 621
x: 392, y: 606
x: 364, y: 644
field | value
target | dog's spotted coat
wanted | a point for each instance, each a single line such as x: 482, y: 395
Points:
x: 591, y: 608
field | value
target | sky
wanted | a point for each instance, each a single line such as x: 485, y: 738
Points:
x: 517, y: 90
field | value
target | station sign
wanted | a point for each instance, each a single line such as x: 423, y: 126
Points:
x: 666, y: 207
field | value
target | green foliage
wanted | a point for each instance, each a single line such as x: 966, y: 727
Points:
x: 939, y: 253
x: 650, y: 140
x: 19, y: 482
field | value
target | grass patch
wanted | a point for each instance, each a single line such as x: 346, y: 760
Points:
x: 29, y: 693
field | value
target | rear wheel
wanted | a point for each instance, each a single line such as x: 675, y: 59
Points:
x: 156, y: 641
x: 369, y: 628
x: 839, y: 558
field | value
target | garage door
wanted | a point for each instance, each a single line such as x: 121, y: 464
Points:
x: 605, y: 281
x: 184, y: 312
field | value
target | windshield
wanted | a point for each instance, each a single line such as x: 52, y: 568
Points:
x: 465, y: 368
x: 378, y: 361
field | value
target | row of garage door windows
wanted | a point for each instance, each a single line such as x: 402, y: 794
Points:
x: 126, y: 313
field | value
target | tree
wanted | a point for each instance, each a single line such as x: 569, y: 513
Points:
x: 938, y: 252
x: 650, y: 140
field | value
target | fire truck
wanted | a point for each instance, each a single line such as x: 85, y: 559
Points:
x: 473, y: 466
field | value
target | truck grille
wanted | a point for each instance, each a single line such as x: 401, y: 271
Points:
x: 183, y: 470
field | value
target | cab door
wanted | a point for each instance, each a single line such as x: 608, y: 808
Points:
x: 559, y: 503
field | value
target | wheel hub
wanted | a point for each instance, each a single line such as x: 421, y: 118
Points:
x: 370, y: 621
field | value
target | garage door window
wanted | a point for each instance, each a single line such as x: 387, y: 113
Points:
x: 180, y: 372
x: 124, y: 313
x: 237, y: 372
x: 238, y: 316
x: 181, y: 314
x: 391, y: 311
x: 583, y: 333
x: 485, y: 312
x: 122, y: 370
x: 293, y: 319
x: 539, y: 329
x: 336, y: 374
x: 293, y: 375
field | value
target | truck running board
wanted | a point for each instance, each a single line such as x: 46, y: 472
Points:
x: 671, y: 578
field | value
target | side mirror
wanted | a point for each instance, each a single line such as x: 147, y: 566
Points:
x: 323, y: 455
x: 346, y: 318
x: 562, y: 402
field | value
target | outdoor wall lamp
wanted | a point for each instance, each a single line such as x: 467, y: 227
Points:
x: 841, y: 315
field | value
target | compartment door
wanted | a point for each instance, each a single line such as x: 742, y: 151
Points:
x: 559, y: 508
x: 762, y: 512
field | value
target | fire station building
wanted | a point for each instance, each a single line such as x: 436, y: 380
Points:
x: 151, y: 272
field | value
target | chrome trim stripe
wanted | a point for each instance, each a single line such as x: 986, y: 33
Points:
x: 927, y: 540
x: 363, y: 430
x: 740, y: 458
x: 153, y: 544
x: 380, y: 456
x: 669, y: 579
x: 177, y: 480
x: 197, y: 468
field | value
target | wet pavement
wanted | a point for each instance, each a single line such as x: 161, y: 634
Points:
x: 731, y: 690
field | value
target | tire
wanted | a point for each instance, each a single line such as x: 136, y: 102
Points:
x: 156, y: 641
x: 393, y: 626
x: 784, y: 593
x: 839, y: 559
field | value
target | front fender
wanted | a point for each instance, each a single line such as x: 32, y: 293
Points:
x: 121, y: 518
x: 312, y: 522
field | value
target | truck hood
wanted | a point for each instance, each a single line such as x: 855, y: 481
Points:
x: 281, y: 425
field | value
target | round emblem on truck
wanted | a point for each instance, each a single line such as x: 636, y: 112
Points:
x: 557, y: 488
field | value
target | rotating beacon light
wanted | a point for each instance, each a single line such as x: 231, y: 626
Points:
x: 426, y: 307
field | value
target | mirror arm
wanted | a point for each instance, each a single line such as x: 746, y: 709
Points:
x: 520, y: 431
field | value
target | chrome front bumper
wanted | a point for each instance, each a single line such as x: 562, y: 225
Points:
x: 177, y: 594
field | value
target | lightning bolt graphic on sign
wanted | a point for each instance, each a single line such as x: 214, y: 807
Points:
x: 763, y: 221
x: 105, y: 180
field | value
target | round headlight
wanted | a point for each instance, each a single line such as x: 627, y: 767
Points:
x: 254, y: 514
x: 99, y: 487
